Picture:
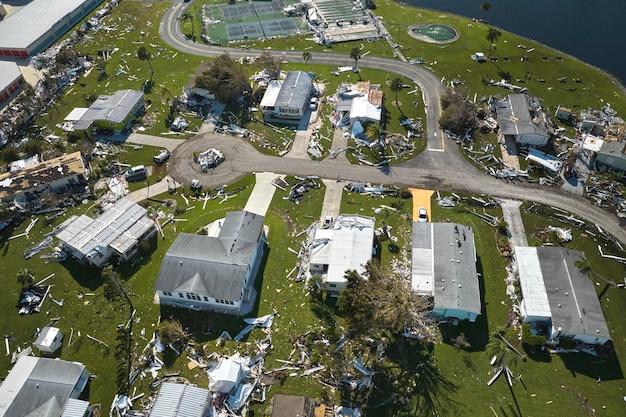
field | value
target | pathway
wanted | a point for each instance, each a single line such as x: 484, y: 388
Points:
x: 513, y: 217
x: 168, y: 143
x: 262, y: 193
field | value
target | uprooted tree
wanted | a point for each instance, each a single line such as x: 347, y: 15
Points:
x: 172, y: 332
x: 458, y: 113
x: 382, y: 301
x: 226, y: 78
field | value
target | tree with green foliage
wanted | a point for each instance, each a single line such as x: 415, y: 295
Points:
x: 492, y: 37
x: 458, y: 114
x: 396, y: 87
x: 225, y: 78
x: 485, y: 7
x: 187, y: 16
x: 5, y: 212
x: 382, y: 301
x: 112, y: 287
x: 584, y: 267
x: 307, y: 57
x: 270, y: 64
x: 373, y: 131
x: 25, y: 278
x: 144, y: 55
x: 172, y: 332
x: 355, y: 53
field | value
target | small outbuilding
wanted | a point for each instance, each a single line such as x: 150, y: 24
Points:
x: 49, y: 340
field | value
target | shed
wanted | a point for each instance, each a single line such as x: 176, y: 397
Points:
x: 49, y: 340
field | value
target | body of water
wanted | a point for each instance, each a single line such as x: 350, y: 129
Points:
x: 592, y: 31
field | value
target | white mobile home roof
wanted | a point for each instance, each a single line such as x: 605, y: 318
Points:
x: 347, y: 246
x: 9, y: 72
x: 31, y: 22
x: 531, y: 280
x: 271, y: 93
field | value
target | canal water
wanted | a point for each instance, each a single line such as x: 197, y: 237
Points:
x: 592, y: 31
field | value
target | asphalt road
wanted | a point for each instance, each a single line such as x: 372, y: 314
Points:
x: 440, y: 167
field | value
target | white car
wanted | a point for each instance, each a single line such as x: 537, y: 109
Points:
x: 422, y: 215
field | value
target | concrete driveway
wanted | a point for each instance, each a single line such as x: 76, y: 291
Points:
x: 332, y: 198
x: 513, y: 217
x: 262, y: 193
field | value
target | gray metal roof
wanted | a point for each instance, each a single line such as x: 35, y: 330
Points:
x: 520, y: 114
x: 212, y: 266
x: 449, y: 249
x: 75, y: 408
x: 114, y: 108
x: 295, y: 90
x: 9, y: 73
x: 573, y: 299
x: 119, y: 227
x: 31, y: 22
x: 180, y: 400
x: 38, y: 384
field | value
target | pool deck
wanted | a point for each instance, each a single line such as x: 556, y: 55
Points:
x: 428, y: 39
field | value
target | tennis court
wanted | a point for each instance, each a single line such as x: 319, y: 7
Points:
x: 251, y: 20
x: 264, y: 28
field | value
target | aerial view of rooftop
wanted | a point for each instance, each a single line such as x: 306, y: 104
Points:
x: 313, y: 208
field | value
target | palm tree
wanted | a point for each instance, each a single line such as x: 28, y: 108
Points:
x: 355, y: 54
x: 373, y: 131
x: 187, y: 16
x: 396, y: 87
x: 492, y: 36
x: 485, y: 7
x: 144, y: 55
x: 584, y: 267
x: 306, y: 57
x: 25, y: 278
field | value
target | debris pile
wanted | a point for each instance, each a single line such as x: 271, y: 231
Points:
x: 32, y: 298
x: 210, y: 159
x: 297, y: 191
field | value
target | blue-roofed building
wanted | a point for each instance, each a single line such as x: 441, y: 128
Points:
x: 287, y: 99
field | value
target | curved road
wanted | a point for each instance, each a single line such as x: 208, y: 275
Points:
x: 440, y: 167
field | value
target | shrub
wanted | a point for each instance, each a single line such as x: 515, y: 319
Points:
x: 530, y: 339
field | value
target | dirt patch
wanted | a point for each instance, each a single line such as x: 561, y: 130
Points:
x: 287, y: 219
x: 396, y: 103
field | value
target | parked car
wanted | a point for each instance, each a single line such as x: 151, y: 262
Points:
x: 313, y: 103
x: 422, y: 215
x: 162, y: 157
x: 137, y: 173
x: 195, y: 185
